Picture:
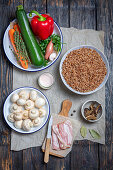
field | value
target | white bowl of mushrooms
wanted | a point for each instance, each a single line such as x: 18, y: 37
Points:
x: 26, y: 110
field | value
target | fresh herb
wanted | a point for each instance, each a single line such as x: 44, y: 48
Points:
x: 83, y: 131
x: 20, y: 46
x: 94, y: 134
x: 17, y: 57
x: 56, y: 40
x: 46, y: 62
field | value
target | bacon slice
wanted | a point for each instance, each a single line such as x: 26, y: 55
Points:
x: 62, y: 135
x: 55, y: 143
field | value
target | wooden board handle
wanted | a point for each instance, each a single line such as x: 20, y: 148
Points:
x: 46, y: 156
x: 66, y: 106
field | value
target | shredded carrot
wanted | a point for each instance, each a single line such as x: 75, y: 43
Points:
x: 23, y: 62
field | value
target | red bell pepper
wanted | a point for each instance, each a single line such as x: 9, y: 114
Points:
x: 42, y: 25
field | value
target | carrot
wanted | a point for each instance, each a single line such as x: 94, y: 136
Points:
x: 16, y: 28
x: 23, y: 62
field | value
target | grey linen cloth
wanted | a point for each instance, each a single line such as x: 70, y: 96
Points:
x: 72, y: 37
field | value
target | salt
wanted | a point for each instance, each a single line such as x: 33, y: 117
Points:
x: 46, y: 80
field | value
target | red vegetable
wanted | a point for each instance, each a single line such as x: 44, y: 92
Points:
x: 42, y: 25
x: 49, y: 50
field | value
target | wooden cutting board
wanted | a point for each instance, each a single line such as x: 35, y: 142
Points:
x: 66, y: 105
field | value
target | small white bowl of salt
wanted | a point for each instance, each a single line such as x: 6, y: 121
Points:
x: 46, y: 80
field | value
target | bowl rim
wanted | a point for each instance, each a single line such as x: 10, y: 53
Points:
x: 43, y: 87
x: 40, y: 68
x: 82, y: 111
x: 26, y: 87
x: 106, y: 63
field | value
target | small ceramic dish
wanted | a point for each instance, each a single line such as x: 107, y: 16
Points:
x: 87, y: 104
x: 46, y: 80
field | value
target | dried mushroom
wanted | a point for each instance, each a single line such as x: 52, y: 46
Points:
x: 98, y: 109
x: 92, y: 112
x: 91, y: 117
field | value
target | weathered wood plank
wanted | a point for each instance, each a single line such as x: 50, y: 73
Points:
x: 5, y: 158
x: 58, y: 9
x: 105, y: 22
x: 82, y: 14
x: 84, y: 154
x: 39, y: 6
x: 33, y: 159
x: 17, y: 160
x: 7, y: 14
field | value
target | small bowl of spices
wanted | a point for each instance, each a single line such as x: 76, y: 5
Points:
x: 91, y: 111
x: 46, y: 80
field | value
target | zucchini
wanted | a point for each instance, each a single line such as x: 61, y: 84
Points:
x: 31, y: 43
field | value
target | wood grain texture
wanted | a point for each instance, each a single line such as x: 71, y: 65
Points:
x: 16, y: 157
x: 58, y: 9
x: 17, y: 160
x: 105, y: 23
x: 84, y: 154
x: 7, y: 14
x: 39, y: 5
x: 33, y: 159
x: 94, y: 14
x: 66, y: 106
x: 82, y: 14
x: 47, y: 149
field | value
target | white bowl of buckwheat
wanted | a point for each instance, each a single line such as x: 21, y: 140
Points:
x: 84, y: 69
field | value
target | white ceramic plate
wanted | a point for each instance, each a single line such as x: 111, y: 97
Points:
x: 104, y: 59
x: 8, y: 103
x: 11, y: 57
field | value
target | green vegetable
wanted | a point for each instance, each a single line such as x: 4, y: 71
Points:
x: 83, y: 131
x: 94, y: 134
x: 31, y: 43
x: 56, y: 40
x: 46, y: 62
x: 20, y: 46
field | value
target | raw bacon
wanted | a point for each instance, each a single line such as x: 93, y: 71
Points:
x: 62, y: 135
x: 55, y: 143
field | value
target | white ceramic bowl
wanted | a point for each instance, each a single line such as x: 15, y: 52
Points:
x: 44, y: 87
x: 104, y: 59
x: 86, y: 105
x: 8, y: 103
x: 12, y: 58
